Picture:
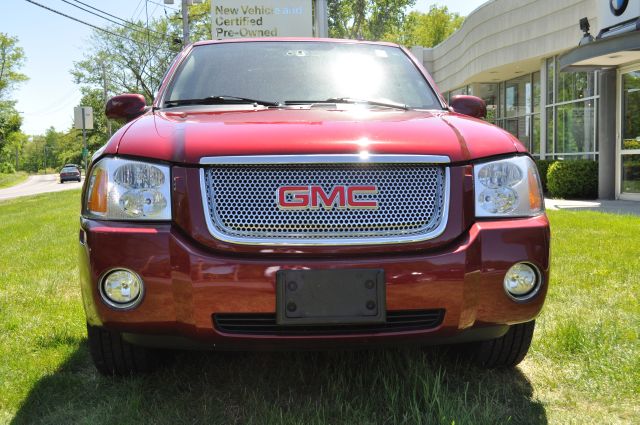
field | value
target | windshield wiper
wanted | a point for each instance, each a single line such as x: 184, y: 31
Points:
x: 219, y: 100
x: 350, y: 100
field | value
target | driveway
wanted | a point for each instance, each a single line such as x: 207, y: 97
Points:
x: 601, y: 205
x: 37, y: 184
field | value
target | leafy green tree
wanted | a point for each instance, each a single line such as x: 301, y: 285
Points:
x: 10, y: 121
x: 366, y: 19
x: 12, y: 150
x: 11, y: 60
x: 426, y: 29
x: 33, y: 154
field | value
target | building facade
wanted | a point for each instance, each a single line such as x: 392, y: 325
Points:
x: 564, y: 93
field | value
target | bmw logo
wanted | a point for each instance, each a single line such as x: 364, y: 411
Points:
x: 618, y: 6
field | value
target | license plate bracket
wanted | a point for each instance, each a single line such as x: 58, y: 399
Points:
x: 332, y: 296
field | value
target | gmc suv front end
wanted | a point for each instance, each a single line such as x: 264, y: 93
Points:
x: 308, y: 193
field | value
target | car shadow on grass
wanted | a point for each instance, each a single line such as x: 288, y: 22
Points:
x: 390, y: 386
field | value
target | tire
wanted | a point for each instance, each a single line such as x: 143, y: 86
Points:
x: 506, y: 351
x: 61, y: 181
x: 113, y: 356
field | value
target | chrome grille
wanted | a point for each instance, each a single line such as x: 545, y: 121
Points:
x: 241, y: 200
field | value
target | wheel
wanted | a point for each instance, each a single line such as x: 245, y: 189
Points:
x: 61, y: 181
x: 114, y: 356
x: 506, y: 351
x: 79, y: 180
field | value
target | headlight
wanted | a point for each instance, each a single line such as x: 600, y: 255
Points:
x: 120, y: 189
x: 508, y: 188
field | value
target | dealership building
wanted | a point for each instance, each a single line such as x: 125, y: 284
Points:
x: 561, y: 75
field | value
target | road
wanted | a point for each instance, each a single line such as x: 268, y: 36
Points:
x: 37, y: 184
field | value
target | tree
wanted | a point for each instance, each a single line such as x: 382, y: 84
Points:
x: 427, y: 29
x: 10, y: 121
x: 11, y: 152
x: 366, y: 19
x: 11, y: 60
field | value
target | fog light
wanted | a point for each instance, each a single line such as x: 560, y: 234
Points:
x: 121, y: 289
x: 522, y: 281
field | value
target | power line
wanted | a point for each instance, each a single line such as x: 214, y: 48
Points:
x: 133, y: 24
x: 110, y: 20
x: 88, y: 24
x: 80, y: 21
x: 165, y: 6
x: 136, y: 9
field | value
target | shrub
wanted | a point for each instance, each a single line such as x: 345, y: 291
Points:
x: 543, y: 167
x: 7, y: 168
x: 573, y: 179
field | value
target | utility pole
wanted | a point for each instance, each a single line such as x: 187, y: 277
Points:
x: 104, y: 86
x: 185, y: 22
x: 84, y: 141
x: 322, y: 21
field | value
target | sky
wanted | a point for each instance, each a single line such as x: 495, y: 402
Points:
x: 52, y: 43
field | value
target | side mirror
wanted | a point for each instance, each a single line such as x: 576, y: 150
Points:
x: 469, y: 105
x: 125, y: 107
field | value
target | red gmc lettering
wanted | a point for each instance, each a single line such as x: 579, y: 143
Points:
x: 299, y: 198
x: 352, y: 191
x: 318, y: 194
x: 304, y: 197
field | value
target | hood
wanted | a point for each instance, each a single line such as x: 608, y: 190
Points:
x: 186, y: 137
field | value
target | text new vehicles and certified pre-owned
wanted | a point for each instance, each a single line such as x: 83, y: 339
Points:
x: 308, y: 193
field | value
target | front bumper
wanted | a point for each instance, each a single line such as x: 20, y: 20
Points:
x: 187, y: 284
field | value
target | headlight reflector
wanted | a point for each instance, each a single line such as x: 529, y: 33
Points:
x: 496, y: 175
x: 121, y: 189
x: 508, y: 188
x: 500, y: 200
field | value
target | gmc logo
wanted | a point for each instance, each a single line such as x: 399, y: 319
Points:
x: 313, y: 197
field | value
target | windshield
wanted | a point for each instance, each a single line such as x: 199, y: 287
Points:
x: 69, y: 170
x: 301, y: 72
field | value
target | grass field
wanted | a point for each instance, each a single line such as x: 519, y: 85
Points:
x: 583, y: 368
x: 7, y: 180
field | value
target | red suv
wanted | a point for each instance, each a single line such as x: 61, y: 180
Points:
x: 308, y: 193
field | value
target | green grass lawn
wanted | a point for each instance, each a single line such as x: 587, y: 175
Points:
x: 8, y: 180
x: 583, y: 367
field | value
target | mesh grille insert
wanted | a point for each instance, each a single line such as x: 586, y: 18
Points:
x: 243, y: 201
x: 265, y: 324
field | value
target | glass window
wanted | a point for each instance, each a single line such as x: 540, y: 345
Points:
x: 536, y: 92
x: 574, y: 86
x: 278, y: 71
x: 519, y: 127
x: 535, y: 135
x: 551, y: 72
x: 489, y: 93
x: 630, y: 173
x: 575, y: 127
x: 550, y: 130
x: 459, y: 91
x: 501, y: 112
x: 571, y: 120
x: 631, y: 110
x: 518, y: 96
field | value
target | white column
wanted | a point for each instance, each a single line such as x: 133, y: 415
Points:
x: 321, y: 23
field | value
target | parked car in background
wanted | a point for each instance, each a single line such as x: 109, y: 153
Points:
x: 308, y: 193
x: 70, y: 172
